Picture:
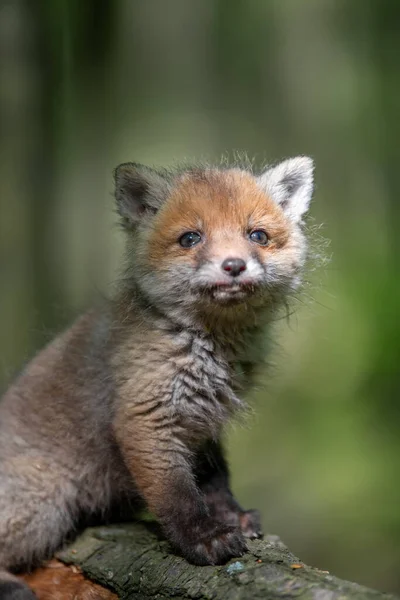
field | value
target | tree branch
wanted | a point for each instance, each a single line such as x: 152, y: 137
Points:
x: 136, y: 563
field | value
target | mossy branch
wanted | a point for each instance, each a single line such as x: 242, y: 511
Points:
x: 136, y: 563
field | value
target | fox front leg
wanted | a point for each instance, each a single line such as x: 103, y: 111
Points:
x: 212, y: 475
x: 162, y: 472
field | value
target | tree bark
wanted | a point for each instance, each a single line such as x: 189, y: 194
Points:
x: 136, y: 563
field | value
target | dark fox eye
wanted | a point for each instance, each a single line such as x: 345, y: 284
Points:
x: 259, y: 237
x: 189, y: 239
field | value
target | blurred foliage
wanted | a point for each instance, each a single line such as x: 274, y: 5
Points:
x: 85, y: 85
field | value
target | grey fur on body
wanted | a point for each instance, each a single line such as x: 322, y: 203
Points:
x: 124, y: 407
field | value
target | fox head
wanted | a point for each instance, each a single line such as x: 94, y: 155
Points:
x: 215, y: 239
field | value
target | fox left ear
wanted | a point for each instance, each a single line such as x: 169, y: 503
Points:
x: 138, y: 190
x: 290, y: 184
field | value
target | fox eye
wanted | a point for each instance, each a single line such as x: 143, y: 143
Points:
x: 189, y: 239
x: 260, y: 237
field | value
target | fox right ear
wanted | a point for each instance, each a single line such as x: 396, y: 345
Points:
x: 290, y: 184
x: 138, y: 189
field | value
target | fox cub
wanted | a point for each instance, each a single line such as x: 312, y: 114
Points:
x: 126, y: 407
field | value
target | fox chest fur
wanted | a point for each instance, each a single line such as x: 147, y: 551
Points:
x: 182, y: 380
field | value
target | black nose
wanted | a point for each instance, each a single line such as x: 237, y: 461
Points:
x: 234, y: 266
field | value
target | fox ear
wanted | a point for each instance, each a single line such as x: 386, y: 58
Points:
x: 138, y: 189
x: 290, y: 184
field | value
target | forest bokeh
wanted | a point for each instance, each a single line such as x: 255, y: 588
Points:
x: 86, y: 85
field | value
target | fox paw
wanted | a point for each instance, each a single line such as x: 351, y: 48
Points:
x: 217, y: 548
x: 211, y: 544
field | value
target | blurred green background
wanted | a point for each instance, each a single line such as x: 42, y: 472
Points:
x: 86, y: 85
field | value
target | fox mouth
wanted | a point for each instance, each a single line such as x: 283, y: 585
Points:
x: 230, y: 293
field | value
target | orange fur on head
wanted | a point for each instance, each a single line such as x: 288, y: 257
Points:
x: 223, y: 206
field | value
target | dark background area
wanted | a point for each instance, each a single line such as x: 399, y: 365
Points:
x: 86, y: 85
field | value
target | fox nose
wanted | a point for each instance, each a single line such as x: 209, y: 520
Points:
x: 234, y: 266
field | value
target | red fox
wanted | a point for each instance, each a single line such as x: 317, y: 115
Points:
x: 127, y: 407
